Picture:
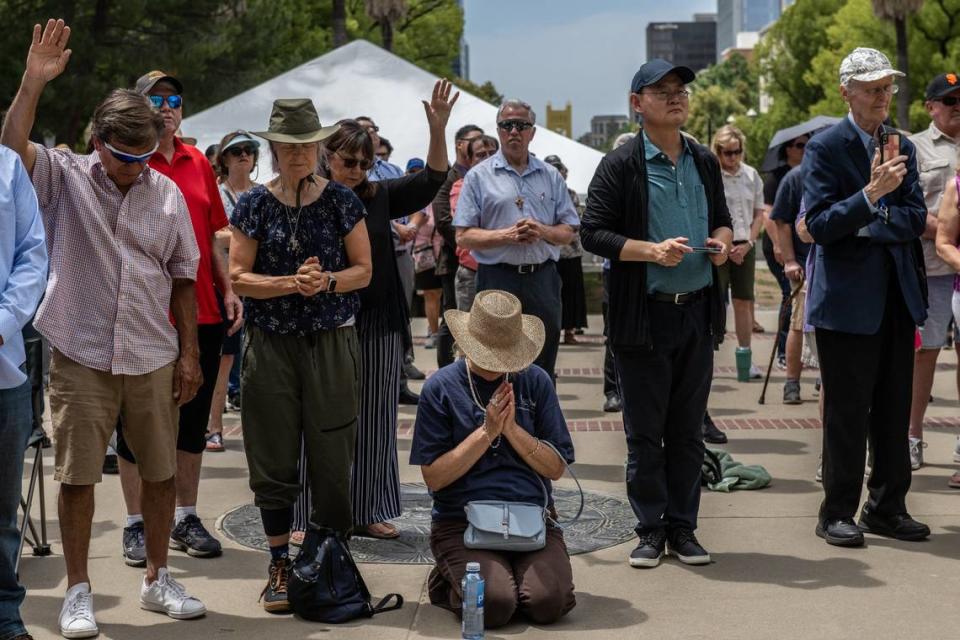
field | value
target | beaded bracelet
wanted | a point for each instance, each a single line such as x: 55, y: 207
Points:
x: 535, y: 449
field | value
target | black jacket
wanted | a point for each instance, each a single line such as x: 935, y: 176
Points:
x: 617, y: 211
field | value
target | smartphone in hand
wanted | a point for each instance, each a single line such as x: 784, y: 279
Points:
x: 889, y: 145
x: 707, y: 249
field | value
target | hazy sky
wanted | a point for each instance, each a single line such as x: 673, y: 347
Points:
x: 585, y: 51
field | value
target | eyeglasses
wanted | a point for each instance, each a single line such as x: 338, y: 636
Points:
x: 240, y: 150
x: 351, y: 163
x: 510, y: 125
x: 731, y: 153
x: 797, y: 145
x: 876, y: 92
x: 667, y: 96
x: 129, y: 158
x: 174, y: 101
x: 948, y: 101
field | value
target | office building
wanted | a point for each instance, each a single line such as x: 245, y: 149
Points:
x: 737, y: 16
x: 691, y: 44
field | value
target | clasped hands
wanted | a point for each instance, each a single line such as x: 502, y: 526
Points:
x: 501, y: 412
x: 525, y: 231
x: 311, y: 279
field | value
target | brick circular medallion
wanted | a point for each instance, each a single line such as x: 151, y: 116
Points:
x: 606, y: 521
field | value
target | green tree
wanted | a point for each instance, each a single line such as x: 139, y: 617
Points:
x: 710, y: 108
x: 897, y: 11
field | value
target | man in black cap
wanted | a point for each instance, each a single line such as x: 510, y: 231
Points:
x: 937, y: 148
x: 656, y: 209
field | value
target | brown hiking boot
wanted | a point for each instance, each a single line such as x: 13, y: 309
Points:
x: 274, y: 595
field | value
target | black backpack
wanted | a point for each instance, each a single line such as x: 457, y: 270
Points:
x: 325, y: 584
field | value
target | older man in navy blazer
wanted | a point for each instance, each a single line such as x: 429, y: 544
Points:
x: 867, y: 295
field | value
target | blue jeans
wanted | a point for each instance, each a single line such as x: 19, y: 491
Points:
x: 16, y: 423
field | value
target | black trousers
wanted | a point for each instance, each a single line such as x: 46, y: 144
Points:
x: 539, y: 293
x: 665, y: 393
x: 869, y: 380
x: 610, y: 384
x: 448, y: 301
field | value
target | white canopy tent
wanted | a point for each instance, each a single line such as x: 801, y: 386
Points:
x: 362, y: 79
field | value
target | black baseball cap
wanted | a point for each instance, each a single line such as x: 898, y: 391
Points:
x: 943, y: 84
x: 651, y: 73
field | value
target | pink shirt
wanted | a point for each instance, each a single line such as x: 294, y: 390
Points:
x: 113, y: 259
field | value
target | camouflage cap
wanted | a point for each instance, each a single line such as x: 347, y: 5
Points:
x: 866, y: 65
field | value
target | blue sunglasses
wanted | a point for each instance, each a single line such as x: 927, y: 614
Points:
x: 127, y: 158
x: 174, y: 101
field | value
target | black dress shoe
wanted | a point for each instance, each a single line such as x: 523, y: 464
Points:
x: 613, y: 404
x: 840, y: 532
x: 408, y: 397
x: 711, y: 433
x: 411, y: 372
x: 900, y: 526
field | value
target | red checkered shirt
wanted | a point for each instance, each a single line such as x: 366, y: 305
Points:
x: 113, y: 259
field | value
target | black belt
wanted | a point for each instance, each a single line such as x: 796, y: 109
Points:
x: 521, y: 268
x: 678, y: 298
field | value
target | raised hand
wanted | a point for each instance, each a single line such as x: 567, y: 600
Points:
x: 440, y: 105
x: 48, y: 54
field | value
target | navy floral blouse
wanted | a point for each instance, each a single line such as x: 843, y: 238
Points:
x: 285, y: 243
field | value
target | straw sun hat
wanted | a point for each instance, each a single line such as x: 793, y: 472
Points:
x: 494, y: 334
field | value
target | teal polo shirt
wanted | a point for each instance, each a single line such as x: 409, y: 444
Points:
x: 677, y: 207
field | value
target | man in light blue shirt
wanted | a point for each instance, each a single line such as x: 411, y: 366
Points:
x: 23, y: 277
x: 513, y: 214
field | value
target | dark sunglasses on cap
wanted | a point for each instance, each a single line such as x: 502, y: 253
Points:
x: 128, y: 158
x: 239, y: 150
x: 351, y: 163
x: 174, y: 101
x: 948, y: 101
x: 510, y: 125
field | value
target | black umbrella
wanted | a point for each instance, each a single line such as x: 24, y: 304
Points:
x: 772, y: 159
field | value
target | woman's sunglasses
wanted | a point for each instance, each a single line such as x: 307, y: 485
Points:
x: 174, y: 101
x: 351, y: 163
x: 128, y: 158
x: 240, y: 150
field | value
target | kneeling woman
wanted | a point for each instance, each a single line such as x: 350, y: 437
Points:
x: 483, y: 428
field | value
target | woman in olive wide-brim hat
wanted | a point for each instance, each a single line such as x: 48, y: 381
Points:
x: 299, y: 254
x: 486, y: 429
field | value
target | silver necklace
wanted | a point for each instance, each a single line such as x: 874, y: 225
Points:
x: 476, y: 401
x: 295, y: 225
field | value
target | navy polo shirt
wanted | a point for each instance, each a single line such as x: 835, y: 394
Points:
x: 447, y: 415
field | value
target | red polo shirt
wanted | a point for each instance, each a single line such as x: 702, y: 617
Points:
x: 191, y: 172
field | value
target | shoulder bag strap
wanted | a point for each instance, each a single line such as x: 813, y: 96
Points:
x: 546, y: 497
x: 382, y: 606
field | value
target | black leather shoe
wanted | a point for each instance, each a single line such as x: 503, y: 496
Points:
x: 840, y: 532
x: 408, y: 397
x: 411, y: 372
x: 711, y: 433
x: 613, y: 404
x: 900, y: 526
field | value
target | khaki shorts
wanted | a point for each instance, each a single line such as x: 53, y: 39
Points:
x: 85, y: 404
x: 798, y: 306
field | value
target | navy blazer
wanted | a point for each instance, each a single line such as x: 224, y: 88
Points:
x: 848, y: 288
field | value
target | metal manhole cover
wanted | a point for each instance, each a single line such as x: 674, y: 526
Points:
x: 606, y: 521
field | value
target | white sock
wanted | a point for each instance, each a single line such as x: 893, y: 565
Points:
x: 183, y: 512
x: 133, y: 519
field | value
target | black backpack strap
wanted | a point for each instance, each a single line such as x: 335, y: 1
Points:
x: 381, y: 606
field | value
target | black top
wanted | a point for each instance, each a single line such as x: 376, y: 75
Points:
x: 786, y: 208
x: 617, y: 210
x: 394, y: 199
x: 285, y: 240
x: 772, y: 182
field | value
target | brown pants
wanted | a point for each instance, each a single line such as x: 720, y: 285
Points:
x: 537, y: 583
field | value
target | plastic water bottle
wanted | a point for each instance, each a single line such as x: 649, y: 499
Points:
x: 744, y: 359
x: 472, y: 587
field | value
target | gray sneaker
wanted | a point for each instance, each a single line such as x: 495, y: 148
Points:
x: 916, y: 453
x: 191, y: 536
x: 134, y: 546
x: 791, y: 392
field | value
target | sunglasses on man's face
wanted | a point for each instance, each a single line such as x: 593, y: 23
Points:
x: 129, y: 158
x: 352, y: 163
x: 174, y: 101
x: 948, y: 101
x: 510, y: 125
x: 240, y: 150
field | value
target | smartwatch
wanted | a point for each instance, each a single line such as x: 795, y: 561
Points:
x: 332, y: 284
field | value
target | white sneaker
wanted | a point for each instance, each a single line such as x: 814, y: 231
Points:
x: 755, y: 373
x: 916, y: 453
x: 168, y: 596
x: 76, y: 614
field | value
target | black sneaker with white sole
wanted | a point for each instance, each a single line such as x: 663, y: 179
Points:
x: 682, y: 544
x: 134, y: 546
x: 191, y: 536
x: 649, y: 549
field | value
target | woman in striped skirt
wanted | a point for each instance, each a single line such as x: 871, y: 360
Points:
x: 383, y: 319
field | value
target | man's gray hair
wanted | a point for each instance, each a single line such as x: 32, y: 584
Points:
x: 514, y: 103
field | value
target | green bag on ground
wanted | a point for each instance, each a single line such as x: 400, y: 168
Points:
x: 722, y: 473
